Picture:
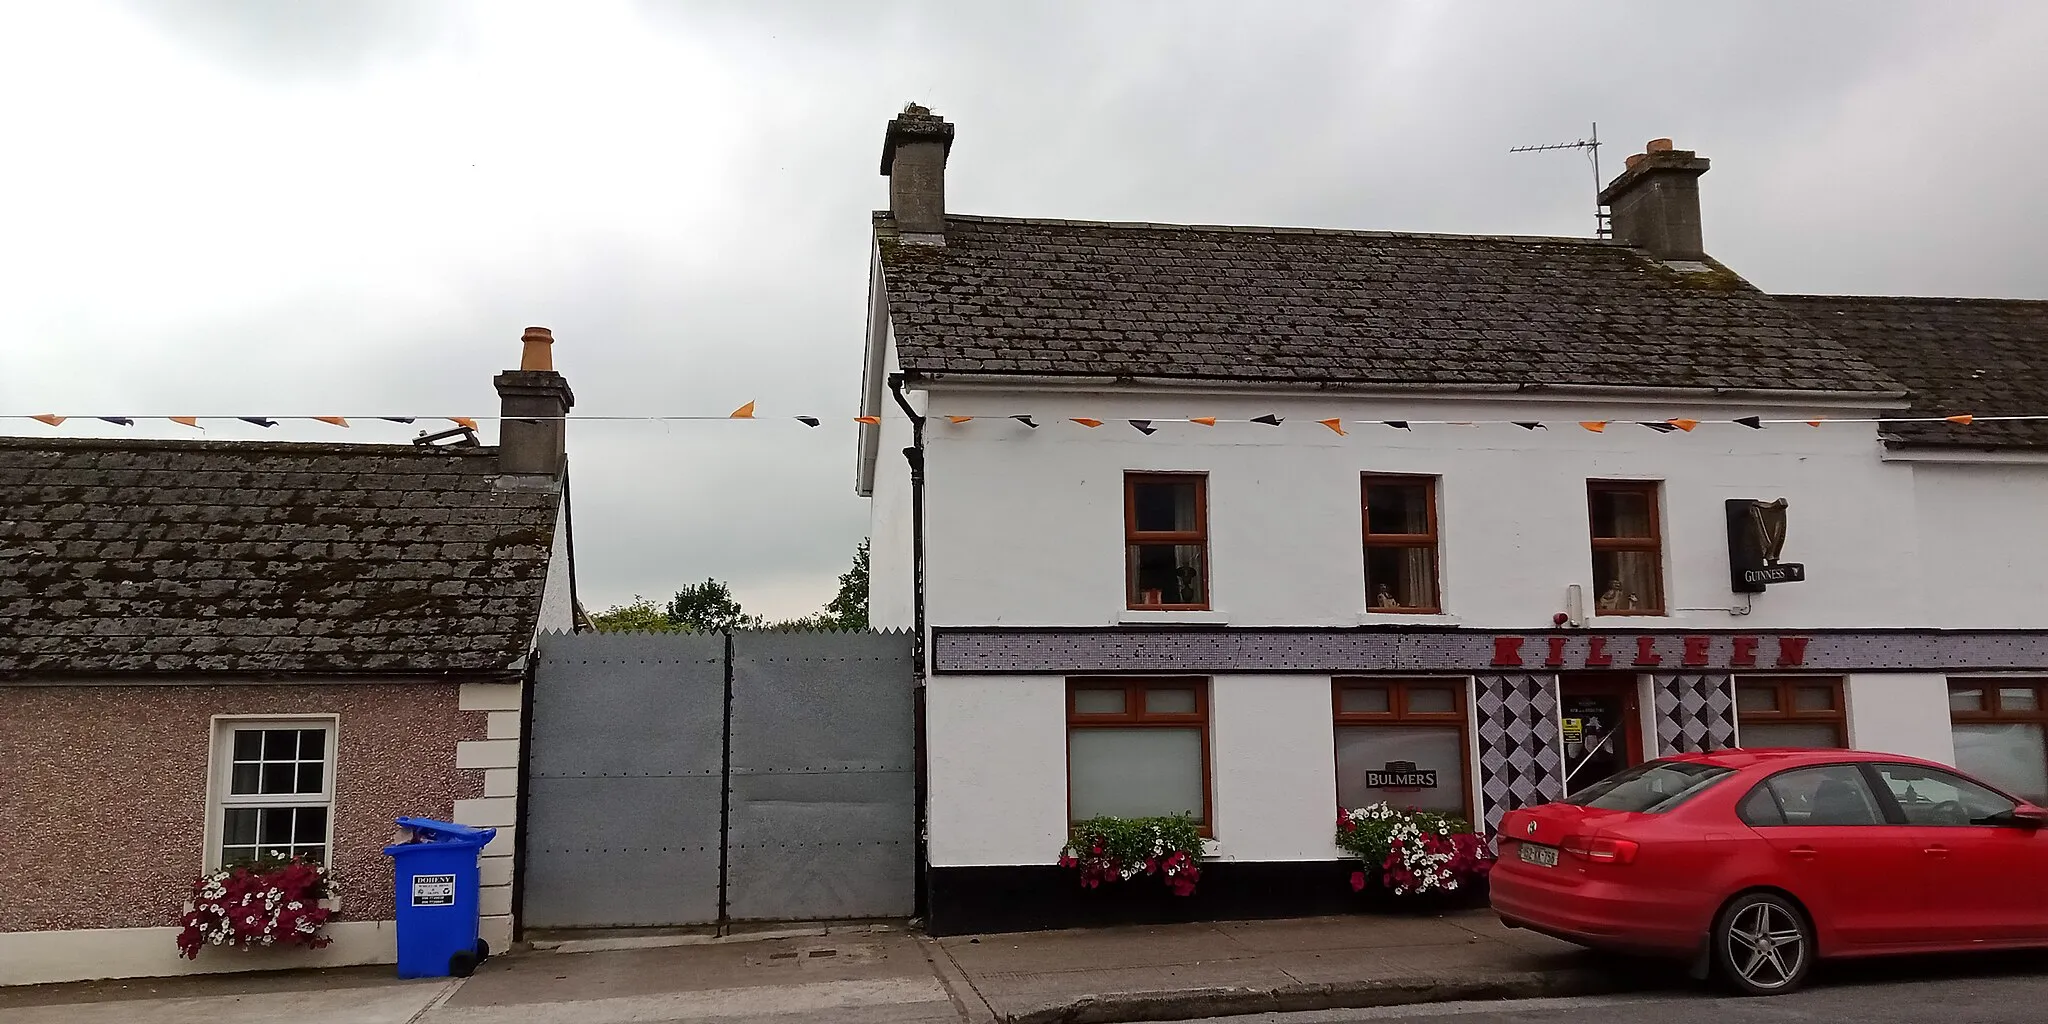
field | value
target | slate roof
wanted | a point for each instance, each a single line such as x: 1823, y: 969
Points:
x: 1050, y: 297
x: 264, y: 559
x: 1986, y: 357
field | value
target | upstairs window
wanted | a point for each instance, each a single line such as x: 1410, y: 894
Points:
x: 1166, y: 541
x: 1400, y: 544
x: 1628, y: 547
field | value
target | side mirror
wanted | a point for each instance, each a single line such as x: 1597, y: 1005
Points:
x: 2029, y: 816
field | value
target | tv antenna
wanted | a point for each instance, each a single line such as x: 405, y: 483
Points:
x: 1591, y: 147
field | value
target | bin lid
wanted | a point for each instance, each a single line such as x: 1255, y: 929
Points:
x: 432, y: 831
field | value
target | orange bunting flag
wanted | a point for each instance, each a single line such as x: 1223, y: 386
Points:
x: 1596, y: 426
x: 1813, y: 423
x: 1207, y: 421
x: 336, y: 420
x: 50, y: 418
x: 1685, y: 425
x: 959, y: 419
x: 1334, y: 424
x: 1086, y: 422
x: 190, y: 421
x: 745, y: 412
x: 1964, y: 419
x: 869, y: 420
x: 463, y: 421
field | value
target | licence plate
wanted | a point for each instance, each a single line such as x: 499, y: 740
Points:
x: 1545, y: 856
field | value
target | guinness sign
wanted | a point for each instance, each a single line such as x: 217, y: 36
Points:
x: 1756, y: 543
x: 1400, y: 775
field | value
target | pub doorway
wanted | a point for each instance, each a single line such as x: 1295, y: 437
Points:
x: 1603, y: 726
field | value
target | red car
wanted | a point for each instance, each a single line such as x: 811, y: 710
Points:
x: 1752, y: 864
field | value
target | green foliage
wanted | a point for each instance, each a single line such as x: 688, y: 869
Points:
x: 849, y: 608
x: 1133, y: 840
x: 641, y: 616
x: 708, y: 607
x: 1367, y: 832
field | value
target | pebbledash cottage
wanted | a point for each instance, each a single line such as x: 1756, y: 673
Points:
x: 1254, y: 523
x: 211, y: 648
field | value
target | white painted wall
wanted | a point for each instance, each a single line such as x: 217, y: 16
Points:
x: 997, y: 757
x: 1898, y: 713
x: 1025, y: 527
x: 891, y: 568
x: 35, y: 958
x: 557, y: 600
x: 1273, y: 767
x: 1983, y: 532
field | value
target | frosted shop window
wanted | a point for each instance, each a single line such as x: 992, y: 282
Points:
x: 1400, y: 544
x: 1402, y: 741
x: 2001, y: 733
x: 273, y: 789
x: 1628, y: 547
x: 1138, y: 749
x: 1796, y: 712
x: 1166, y: 541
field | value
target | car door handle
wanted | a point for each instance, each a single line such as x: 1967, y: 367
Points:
x: 1804, y: 852
x: 1936, y: 850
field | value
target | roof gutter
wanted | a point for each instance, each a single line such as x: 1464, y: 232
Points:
x: 1887, y: 399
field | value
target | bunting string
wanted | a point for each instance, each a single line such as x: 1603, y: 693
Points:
x: 1338, y: 425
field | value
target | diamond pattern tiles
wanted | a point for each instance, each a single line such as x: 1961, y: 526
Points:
x: 1695, y: 713
x: 1520, y: 756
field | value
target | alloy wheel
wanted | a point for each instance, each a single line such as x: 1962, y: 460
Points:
x: 1767, y: 946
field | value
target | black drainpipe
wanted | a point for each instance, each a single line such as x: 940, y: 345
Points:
x: 914, y: 455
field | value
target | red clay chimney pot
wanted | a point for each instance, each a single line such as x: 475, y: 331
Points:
x: 537, y: 351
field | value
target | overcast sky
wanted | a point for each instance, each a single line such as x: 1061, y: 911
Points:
x: 354, y: 206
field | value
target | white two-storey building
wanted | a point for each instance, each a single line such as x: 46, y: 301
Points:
x: 1230, y: 520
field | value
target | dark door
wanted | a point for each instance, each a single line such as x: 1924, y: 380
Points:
x: 1602, y: 726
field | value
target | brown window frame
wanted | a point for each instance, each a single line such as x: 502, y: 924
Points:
x: 1994, y: 712
x: 1654, y: 543
x: 1403, y: 541
x: 1135, y: 716
x: 1134, y: 537
x: 1787, y: 712
x: 1398, y: 713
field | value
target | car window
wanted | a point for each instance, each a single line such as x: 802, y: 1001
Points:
x: 1649, y: 788
x: 1932, y: 797
x: 1760, y: 808
x: 1834, y: 794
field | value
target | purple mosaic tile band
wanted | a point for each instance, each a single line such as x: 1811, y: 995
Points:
x: 998, y: 651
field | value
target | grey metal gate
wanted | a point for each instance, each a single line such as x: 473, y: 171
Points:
x: 678, y: 779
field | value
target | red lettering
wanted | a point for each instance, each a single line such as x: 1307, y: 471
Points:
x: 1791, y: 651
x: 1646, y: 651
x: 1596, y: 652
x: 1745, y: 652
x: 1555, y: 659
x: 1507, y: 651
x: 1696, y: 650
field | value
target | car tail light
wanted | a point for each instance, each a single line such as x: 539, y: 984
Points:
x: 1600, y: 849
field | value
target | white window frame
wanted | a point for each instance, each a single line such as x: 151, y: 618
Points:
x: 220, y: 765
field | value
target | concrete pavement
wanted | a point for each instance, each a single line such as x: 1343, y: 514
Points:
x: 860, y: 975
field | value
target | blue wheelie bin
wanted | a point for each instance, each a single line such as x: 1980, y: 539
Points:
x: 435, y: 865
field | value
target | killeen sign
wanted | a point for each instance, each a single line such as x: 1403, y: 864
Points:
x: 1605, y: 651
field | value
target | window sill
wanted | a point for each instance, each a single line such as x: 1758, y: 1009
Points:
x: 1136, y: 616
x: 1407, y: 619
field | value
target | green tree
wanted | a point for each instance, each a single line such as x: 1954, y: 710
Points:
x: 849, y: 608
x: 708, y: 607
x: 640, y: 616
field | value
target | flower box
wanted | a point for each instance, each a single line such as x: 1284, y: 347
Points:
x: 1107, y: 850
x: 1414, y: 860
x: 271, y: 903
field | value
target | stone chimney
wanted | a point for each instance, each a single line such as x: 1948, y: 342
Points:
x: 914, y: 159
x: 534, y: 398
x: 1655, y: 201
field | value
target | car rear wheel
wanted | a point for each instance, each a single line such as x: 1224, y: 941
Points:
x: 1763, y: 945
